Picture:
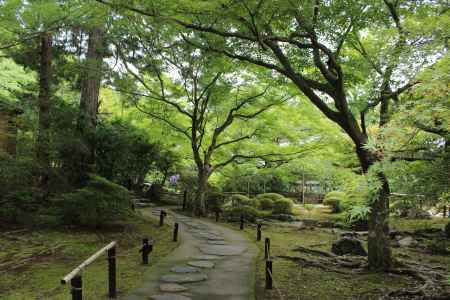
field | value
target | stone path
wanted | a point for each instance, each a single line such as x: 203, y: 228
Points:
x: 212, y: 262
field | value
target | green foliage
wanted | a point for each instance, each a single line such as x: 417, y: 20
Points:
x: 100, y: 202
x: 265, y: 203
x: 124, y: 154
x: 334, y: 200
x: 234, y: 213
x: 282, y: 206
x: 358, y: 214
x: 241, y: 200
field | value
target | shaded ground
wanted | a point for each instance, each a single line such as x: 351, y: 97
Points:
x: 32, y: 261
x: 292, y: 281
x: 231, y: 277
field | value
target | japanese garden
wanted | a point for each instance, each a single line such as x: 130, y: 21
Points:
x: 224, y: 149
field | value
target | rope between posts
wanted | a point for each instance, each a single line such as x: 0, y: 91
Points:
x: 276, y: 288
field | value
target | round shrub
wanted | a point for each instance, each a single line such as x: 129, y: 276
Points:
x: 99, y: 202
x: 239, y: 200
x: 234, y: 213
x: 334, y: 200
x: 271, y: 196
x: 282, y: 206
x: 265, y: 203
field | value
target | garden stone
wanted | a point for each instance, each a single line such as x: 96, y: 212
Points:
x: 169, y: 297
x: 184, y: 278
x: 202, y: 264
x: 207, y: 257
x: 222, y: 250
x: 407, y: 241
x: 184, y: 269
x: 216, y: 242
x: 349, y: 246
x: 172, y: 288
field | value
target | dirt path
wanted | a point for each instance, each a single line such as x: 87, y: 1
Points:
x: 212, y: 262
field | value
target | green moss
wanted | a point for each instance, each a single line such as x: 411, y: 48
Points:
x: 42, y: 275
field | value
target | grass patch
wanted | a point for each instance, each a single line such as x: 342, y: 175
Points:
x: 40, y: 276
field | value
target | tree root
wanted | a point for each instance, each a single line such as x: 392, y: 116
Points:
x: 432, y: 279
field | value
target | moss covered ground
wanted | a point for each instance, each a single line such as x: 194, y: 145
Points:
x: 291, y: 281
x: 33, y: 261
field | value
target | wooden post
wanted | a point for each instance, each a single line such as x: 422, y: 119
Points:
x: 112, y: 272
x: 175, y: 232
x: 76, y: 290
x: 184, y: 199
x: 444, y: 212
x: 268, y: 274
x: 146, y: 249
x: 242, y: 223
x: 267, y: 248
x: 258, y: 232
x: 217, y: 216
x: 161, y: 218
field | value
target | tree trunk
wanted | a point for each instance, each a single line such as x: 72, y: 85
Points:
x: 200, y: 195
x: 90, y: 89
x: 379, y: 252
x: 43, y: 139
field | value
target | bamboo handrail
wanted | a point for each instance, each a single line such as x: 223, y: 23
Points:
x: 87, y: 262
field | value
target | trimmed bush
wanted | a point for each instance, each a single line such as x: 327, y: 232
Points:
x: 271, y: 196
x: 234, y: 213
x: 265, y: 203
x: 282, y: 206
x: 101, y: 201
x: 334, y: 200
x: 239, y: 200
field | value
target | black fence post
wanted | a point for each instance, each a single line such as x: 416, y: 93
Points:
x: 184, y: 199
x: 146, y: 249
x: 112, y: 272
x: 267, y: 248
x: 444, y: 211
x: 76, y: 290
x: 242, y: 223
x: 175, y: 232
x: 161, y: 218
x: 258, y: 232
x: 269, y: 274
x: 217, y: 216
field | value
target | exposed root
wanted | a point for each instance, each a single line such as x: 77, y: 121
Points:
x: 432, y: 280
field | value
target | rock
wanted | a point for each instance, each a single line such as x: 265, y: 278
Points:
x: 172, y: 288
x: 202, y: 264
x: 407, y: 241
x: 415, y: 213
x: 207, y: 257
x: 447, y: 230
x: 169, y: 297
x: 184, y: 278
x: 349, y: 246
x: 184, y: 269
x: 222, y: 250
x: 216, y: 242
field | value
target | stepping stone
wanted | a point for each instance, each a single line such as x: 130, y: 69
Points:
x: 213, y: 242
x: 172, y: 288
x: 169, y: 297
x: 222, y: 250
x: 202, y: 264
x: 207, y: 257
x: 215, y: 238
x: 184, y: 278
x: 184, y: 269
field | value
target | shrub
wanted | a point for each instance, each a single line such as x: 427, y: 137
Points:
x: 239, y: 200
x: 234, y: 213
x: 333, y: 200
x: 265, y: 203
x: 101, y: 201
x: 271, y: 196
x: 282, y: 206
